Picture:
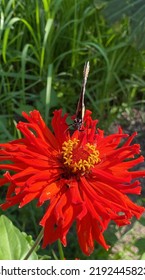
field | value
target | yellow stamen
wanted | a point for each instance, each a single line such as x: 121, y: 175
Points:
x: 79, y: 158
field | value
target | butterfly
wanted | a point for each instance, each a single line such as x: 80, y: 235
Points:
x: 78, y: 121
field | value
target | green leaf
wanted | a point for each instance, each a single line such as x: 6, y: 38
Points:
x: 142, y: 257
x: 6, y: 37
x: 23, y: 108
x: 14, y: 244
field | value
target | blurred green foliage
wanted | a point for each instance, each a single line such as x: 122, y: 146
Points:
x: 43, y: 47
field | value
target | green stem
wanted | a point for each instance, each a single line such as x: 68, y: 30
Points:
x: 38, y: 239
x: 61, y: 254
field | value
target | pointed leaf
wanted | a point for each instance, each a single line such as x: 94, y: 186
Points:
x: 13, y: 243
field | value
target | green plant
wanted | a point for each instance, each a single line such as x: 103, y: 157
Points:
x: 43, y: 47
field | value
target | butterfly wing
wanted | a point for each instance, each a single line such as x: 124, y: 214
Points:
x: 81, y: 106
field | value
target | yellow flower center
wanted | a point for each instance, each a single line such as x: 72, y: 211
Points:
x: 79, y: 158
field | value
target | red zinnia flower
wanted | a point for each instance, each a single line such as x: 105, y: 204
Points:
x: 84, y: 175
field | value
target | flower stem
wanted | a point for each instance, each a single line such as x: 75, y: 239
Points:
x: 61, y: 254
x: 37, y: 241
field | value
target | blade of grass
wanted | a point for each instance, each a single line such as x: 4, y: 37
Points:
x: 48, y: 92
x: 47, y: 31
x: 6, y: 37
